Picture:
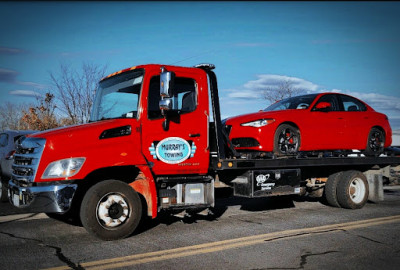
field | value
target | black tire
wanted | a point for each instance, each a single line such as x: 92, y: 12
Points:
x: 375, y: 143
x: 330, y: 191
x: 111, y: 210
x: 352, y: 190
x: 286, y: 140
x: 3, y: 190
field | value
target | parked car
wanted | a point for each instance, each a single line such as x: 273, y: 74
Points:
x: 7, y: 150
x: 326, y: 121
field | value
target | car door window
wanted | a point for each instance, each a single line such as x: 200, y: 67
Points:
x: 330, y: 99
x: 351, y: 104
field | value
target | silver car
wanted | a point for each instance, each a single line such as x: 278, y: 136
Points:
x: 7, y: 150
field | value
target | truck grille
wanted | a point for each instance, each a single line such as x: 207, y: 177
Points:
x: 26, y: 160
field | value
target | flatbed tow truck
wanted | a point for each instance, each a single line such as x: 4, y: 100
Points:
x: 151, y: 147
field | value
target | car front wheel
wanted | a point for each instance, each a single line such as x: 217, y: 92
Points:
x: 286, y: 140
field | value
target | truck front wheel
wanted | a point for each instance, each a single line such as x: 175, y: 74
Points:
x: 111, y: 210
x: 352, y: 190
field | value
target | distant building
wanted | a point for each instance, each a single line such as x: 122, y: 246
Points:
x: 396, y: 138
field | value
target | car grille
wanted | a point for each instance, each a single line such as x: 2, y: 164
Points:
x: 245, y: 142
x: 26, y: 160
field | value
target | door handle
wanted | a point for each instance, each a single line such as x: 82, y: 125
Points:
x: 194, y: 135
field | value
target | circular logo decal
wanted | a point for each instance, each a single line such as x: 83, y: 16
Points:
x: 173, y: 150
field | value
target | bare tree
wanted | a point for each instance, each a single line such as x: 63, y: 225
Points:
x: 76, y: 90
x: 41, y: 116
x: 284, y: 90
x: 11, y: 114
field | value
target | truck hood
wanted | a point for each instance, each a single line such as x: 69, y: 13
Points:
x: 87, y: 130
x: 102, y: 144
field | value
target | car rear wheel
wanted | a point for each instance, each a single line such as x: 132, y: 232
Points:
x: 375, y: 143
x: 286, y: 140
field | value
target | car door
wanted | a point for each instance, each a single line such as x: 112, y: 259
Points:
x: 357, y: 120
x: 178, y: 143
x: 326, y: 125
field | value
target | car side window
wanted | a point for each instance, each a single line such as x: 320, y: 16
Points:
x: 184, y: 100
x: 351, y: 104
x: 3, y: 139
x: 330, y: 99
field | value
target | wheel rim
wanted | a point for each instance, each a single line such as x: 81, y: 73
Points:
x: 112, y: 211
x: 288, y: 141
x: 357, y: 190
x: 376, y: 141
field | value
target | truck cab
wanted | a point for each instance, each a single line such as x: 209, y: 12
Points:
x: 149, y: 132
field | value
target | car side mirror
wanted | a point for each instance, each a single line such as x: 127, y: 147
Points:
x: 323, y: 106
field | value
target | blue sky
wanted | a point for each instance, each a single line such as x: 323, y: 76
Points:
x: 349, y: 47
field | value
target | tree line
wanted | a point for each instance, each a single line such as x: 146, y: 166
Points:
x: 68, y: 103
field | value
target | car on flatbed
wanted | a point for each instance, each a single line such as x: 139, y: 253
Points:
x: 325, y: 121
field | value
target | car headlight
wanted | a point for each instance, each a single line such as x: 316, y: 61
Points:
x: 258, y: 123
x: 63, y: 168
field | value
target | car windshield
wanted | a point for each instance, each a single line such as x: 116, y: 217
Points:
x: 299, y: 102
x: 118, y: 96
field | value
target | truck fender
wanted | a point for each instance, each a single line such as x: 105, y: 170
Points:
x: 145, y: 185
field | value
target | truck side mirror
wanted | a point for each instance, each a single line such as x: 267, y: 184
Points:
x: 165, y: 105
x: 167, y: 83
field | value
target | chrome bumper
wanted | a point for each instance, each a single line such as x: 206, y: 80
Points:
x: 48, y: 199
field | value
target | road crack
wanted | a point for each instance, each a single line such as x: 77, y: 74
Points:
x: 303, y: 261
x: 366, y: 238
x: 58, y: 250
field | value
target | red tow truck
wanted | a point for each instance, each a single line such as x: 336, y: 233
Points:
x: 156, y: 142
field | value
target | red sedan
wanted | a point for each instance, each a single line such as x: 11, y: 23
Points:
x: 327, y: 121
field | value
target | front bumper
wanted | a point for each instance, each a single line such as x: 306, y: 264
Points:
x: 48, y: 199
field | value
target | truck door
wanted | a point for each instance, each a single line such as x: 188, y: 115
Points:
x: 178, y: 142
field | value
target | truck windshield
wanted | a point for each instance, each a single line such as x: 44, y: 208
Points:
x: 118, y: 96
x: 299, y: 102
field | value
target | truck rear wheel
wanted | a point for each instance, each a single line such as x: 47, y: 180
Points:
x: 330, y: 191
x: 111, y: 210
x: 352, y: 190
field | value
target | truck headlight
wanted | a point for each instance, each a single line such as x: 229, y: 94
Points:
x: 63, y: 168
x: 258, y: 123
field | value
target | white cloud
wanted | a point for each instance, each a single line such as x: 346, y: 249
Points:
x: 25, y: 93
x: 266, y: 82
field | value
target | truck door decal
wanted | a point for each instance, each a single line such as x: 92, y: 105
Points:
x: 172, y: 150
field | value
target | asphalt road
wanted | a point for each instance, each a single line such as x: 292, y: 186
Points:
x: 272, y: 233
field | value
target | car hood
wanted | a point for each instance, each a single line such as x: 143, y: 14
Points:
x: 240, y: 119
